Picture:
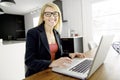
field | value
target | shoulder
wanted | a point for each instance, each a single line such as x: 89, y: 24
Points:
x: 37, y: 29
x: 33, y: 33
x: 32, y: 30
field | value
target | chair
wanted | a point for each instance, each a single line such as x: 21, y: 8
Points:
x: 92, y: 45
x: 116, y: 46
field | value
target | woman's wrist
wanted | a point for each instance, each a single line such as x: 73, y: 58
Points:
x: 71, y: 55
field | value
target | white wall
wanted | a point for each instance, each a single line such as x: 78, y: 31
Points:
x: 29, y: 20
x: 78, y: 13
x: 12, y: 61
x: 72, y: 12
x: 87, y: 24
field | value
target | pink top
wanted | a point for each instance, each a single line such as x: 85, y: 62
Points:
x: 53, y: 50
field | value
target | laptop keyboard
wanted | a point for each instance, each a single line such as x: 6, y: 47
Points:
x: 82, y: 67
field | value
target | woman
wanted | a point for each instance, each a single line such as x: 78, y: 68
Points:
x: 43, y: 45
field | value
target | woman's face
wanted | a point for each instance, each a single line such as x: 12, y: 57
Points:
x: 50, y: 16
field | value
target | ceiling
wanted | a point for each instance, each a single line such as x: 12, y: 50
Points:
x: 24, y: 6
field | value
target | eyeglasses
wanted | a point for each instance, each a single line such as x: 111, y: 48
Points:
x: 49, y: 14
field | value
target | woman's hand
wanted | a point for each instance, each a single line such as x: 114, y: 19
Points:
x: 61, y: 62
x: 79, y: 55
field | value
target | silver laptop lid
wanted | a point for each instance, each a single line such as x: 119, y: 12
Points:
x: 101, y: 53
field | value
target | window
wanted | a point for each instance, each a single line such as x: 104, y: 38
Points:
x: 35, y: 21
x: 105, y: 18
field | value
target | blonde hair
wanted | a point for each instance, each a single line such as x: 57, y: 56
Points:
x: 58, y: 26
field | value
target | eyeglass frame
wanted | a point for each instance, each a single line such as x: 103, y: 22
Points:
x: 51, y: 13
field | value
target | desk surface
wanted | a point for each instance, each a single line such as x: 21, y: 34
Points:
x: 110, y: 70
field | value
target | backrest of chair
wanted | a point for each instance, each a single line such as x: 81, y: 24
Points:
x: 92, y: 45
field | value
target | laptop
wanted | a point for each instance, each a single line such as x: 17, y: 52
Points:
x: 85, y: 67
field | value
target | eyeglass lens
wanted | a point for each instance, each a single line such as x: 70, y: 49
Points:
x: 49, y: 14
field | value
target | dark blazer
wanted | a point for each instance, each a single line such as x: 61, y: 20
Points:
x: 37, y: 57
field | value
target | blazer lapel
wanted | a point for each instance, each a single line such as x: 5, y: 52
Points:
x: 43, y: 37
x: 57, y: 38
